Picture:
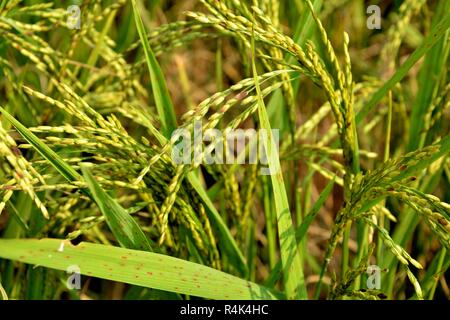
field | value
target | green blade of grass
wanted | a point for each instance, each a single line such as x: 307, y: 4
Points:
x: 401, y: 72
x: 24, y: 205
x: 436, y: 269
x: 430, y: 76
x: 300, y: 232
x: 432, y: 70
x: 124, y: 228
x: 303, y: 228
x: 18, y: 218
x: 226, y: 240
x: 270, y: 224
x: 93, y: 57
x: 292, y: 266
x: 118, y: 220
x: 140, y: 268
x: 163, y: 101
x: 63, y: 168
x: 36, y: 283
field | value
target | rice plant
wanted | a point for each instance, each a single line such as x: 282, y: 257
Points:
x: 350, y: 198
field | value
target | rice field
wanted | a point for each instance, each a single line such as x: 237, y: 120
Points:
x: 224, y: 149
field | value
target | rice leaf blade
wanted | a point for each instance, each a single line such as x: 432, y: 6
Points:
x: 126, y: 229
x: 401, y: 72
x: 303, y: 228
x: 140, y: 268
x: 161, y: 94
x: 226, y: 240
x: 292, y: 266
x: 63, y: 168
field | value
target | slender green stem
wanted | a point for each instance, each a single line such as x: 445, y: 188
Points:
x: 438, y: 273
x: 270, y: 228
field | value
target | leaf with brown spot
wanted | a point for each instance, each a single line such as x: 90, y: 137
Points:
x: 197, y: 280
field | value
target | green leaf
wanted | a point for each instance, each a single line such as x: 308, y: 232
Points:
x: 163, y: 101
x: 303, y: 228
x: 226, y: 241
x: 401, y: 72
x: 140, y: 268
x: 292, y: 265
x: 18, y: 218
x: 431, y: 75
x: 124, y: 227
x: 63, y: 168
x: 437, y: 268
